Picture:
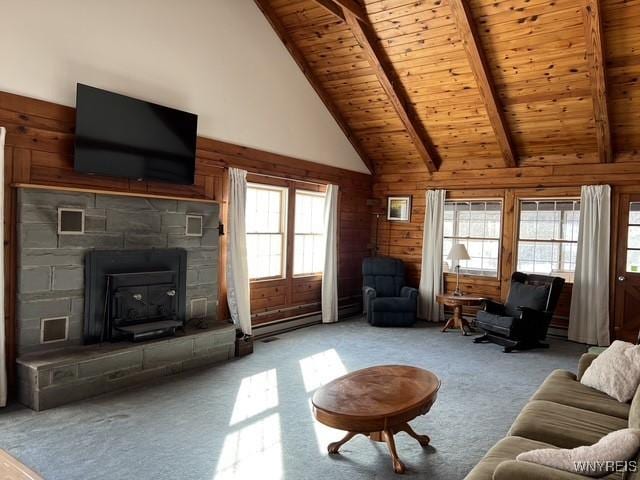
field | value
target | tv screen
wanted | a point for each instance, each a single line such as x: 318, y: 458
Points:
x: 124, y: 137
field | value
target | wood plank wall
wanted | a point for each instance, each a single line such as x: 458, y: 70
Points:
x: 404, y: 240
x: 39, y: 150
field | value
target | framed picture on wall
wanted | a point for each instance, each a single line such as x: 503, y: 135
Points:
x: 399, y: 209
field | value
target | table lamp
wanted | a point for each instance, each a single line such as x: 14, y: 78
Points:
x: 458, y: 252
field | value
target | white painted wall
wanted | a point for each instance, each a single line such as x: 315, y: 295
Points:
x: 217, y: 58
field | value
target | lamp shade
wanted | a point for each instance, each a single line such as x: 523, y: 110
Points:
x: 458, y: 252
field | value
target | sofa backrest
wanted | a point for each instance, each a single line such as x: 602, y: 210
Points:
x: 384, y: 274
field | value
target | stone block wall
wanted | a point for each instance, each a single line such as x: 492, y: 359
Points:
x: 51, y: 266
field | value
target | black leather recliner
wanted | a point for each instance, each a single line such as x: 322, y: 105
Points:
x: 388, y: 302
x: 522, y: 322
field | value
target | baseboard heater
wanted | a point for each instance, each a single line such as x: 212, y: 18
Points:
x: 276, y: 327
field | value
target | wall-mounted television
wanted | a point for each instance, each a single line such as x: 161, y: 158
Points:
x: 122, y: 136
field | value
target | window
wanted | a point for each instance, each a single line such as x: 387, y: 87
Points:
x: 477, y: 225
x: 633, y: 238
x: 548, y: 237
x: 265, y: 223
x: 308, y: 248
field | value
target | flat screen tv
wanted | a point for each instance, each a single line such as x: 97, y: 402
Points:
x: 124, y: 137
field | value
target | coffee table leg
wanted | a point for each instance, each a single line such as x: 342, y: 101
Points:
x: 335, y: 446
x: 398, y: 466
x: 423, y: 440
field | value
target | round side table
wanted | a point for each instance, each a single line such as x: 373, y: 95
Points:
x: 457, y: 302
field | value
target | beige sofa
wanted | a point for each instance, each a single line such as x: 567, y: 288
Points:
x: 562, y: 413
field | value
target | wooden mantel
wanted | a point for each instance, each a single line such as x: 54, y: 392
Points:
x: 109, y: 192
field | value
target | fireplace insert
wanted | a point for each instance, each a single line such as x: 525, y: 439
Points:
x: 134, y: 294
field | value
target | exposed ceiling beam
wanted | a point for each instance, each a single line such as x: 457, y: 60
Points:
x: 354, y: 7
x: 596, y: 62
x: 297, y: 55
x: 363, y: 31
x: 332, y: 7
x: 471, y: 41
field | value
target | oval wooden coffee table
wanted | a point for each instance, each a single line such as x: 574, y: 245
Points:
x: 377, y: 402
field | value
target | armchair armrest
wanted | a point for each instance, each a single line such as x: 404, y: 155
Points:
x: 409, y: 292
x: 368, y: 294
x: 583, y: 364
x: 512, y: 469
x: 492, y: 307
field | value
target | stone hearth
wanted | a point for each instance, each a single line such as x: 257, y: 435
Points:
x: 54, y: 378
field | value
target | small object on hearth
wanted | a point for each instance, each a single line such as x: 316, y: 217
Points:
x: 244, y: 345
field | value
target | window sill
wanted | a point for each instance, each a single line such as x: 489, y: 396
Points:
x: 266, y: 279
x: 468, y: 276
x: 308, y: 275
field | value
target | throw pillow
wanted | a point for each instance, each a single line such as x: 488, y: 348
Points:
x: 616, y: 371
x: 597, y: 460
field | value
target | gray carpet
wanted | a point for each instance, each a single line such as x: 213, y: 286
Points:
x: 210, y: 424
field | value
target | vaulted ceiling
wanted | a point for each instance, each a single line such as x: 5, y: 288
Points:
x: 466, y: 84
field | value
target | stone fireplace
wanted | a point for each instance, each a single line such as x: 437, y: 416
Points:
x: 100, y: 279
x: 51, y: 264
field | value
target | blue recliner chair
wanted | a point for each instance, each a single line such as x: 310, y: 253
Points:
x: 387, y: 301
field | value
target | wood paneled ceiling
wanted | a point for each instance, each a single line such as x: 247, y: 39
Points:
x: 426, y: 85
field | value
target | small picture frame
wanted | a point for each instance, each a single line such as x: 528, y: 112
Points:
x: 399, y: 209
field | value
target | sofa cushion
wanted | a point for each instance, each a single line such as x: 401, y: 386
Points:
x: 515, y: 470
x: 394, y: 304
x: 605, y: 456
x: 562, y: 387
x: 562, y: 425
x: 506, y: 449
x: 499, y: 464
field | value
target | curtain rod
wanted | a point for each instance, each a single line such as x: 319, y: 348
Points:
x: 288, y: 179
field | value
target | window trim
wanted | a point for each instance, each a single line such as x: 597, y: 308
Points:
x: 517, y: 215
x: 284, y: 215
x: 293, y: 246
x: 463, y: 274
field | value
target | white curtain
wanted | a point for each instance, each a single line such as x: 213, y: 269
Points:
x: 431, y: 275
x: 589, y: 317
x: 330, y: 273
x: 3, y: 360
x: 237, y: 268
x: 3, y: 366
